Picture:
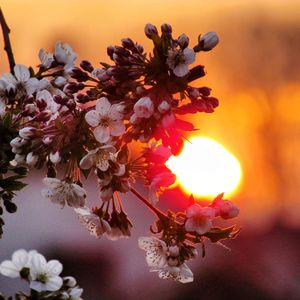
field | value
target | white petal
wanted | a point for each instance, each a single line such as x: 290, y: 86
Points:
x: 52, y: 182
x: 2, y: 107
x: 38, y: 264
x: 88, y: 160
x: 20, y: 258
x: 186, y: 274
x: 21, y: 73
x: 92, y: 118
x: 54, y: 268
x: 181, y: 70
x: 189, y: 55
x: 117, y: 128
x: 37, y: 286
x: 190, y: 225
x: 9, y: 80
x: 78, y: 190
x: 103, y: 106
x: 102, y: 134
x: 32, y: 85
x: 9, y: 269
x: 114, y: 112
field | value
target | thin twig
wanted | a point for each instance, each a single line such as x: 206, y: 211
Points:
x: 7, y: 45
x: 159, y: 213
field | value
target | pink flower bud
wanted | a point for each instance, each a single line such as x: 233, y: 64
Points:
x: 163, y: 107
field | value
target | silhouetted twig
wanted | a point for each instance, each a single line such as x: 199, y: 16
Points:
x: 7, y: 45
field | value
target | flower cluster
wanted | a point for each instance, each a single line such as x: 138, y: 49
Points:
x: 86, y: 118
x: 179, y: 235
x: 44, y: 277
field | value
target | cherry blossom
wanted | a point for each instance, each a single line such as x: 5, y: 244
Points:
x: 107, y: 120
x: 45, y: 275
x: 179, y: 61
x: 199, y: 218
x: 96, y: 226
x: 20, y: 259
x: 62, y: 192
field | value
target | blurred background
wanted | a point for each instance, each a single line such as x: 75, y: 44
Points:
x: 255, y: 73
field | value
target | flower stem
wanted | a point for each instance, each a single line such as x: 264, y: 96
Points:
x: 7, y: 45
x: 159, y: 213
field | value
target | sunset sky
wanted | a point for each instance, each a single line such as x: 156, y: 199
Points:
x: 254, y: 72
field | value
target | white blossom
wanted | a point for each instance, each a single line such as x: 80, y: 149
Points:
x: 62, y: 192
x: 46, y: 58
x: 156, y: 251
x: 20, y: 259
x: 199, y: 218
x: 98, y: 157
x: 178, y: 61
x: 65, y: 55
x: 45, y: 275
x: 144, y: 107
x: 180, y: 273
x: 20, y: 82
x: 95, y: 225
x: 107, y: 120
x: 51, y: 105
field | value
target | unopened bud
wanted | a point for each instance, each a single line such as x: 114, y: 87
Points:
x: 208, y: 41
x: 150, y: 31
x: 60, y: 81
x: 128, y: 43
x: 31, y: 159
x: 163, y: 107
x: 27, y: 132
x: 166, y: 28
x: 183, y: 40
x: 86, y: 66
x: 70, y: 281
x: 55, y: 157
x: 30, y: 108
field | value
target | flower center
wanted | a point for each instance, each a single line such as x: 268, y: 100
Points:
x: 105, y: 121
x: 42, y: 278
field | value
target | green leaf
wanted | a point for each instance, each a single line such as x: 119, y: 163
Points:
x: 11, y: 185
x: 216, y: 234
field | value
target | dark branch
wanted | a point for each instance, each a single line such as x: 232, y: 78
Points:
x: 159, y: 213
x: 7, y: 45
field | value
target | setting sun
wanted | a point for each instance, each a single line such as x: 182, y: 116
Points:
x: 205, y: 168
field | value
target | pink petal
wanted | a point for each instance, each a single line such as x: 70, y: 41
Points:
x: 102, y: 134
x: 92, y: 118
x: 103, y: 106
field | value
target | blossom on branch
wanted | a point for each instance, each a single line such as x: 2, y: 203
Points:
x: 63, y: 192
